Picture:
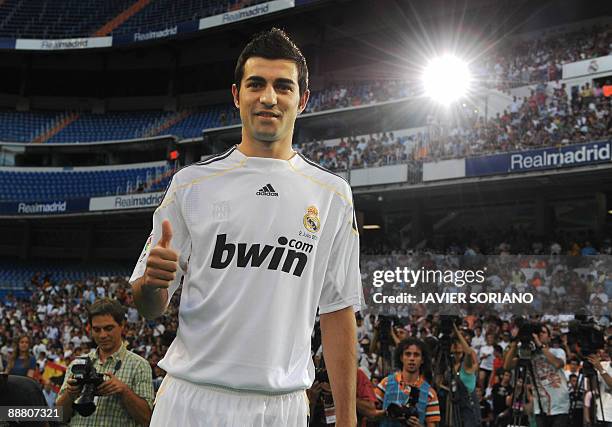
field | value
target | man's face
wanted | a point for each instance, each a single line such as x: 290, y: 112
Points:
x: 106, y: 332
x: 412, y: 358
x: 269, y: 98
x: 544, y: 335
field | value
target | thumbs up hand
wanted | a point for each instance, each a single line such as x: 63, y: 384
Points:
x: 162, y: 262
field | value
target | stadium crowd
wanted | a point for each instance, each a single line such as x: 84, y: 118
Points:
x: 528, y: 61
x: 41, y: 335
x: 547, y: 117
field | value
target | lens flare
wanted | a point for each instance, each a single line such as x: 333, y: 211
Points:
x: 446, y: 79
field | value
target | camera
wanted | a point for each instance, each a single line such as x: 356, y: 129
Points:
x: 446, y: 323
x: 384, y: 328
x: 526, y: 329
x: 403, y: 413
x: 446, y: 331
x: 85, y: 374
x: 586, y: 335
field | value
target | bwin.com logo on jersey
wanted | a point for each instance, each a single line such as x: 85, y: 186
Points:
x: 311, y: 219
x: 268, y: 190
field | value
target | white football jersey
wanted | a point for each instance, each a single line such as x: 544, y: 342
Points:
x: 262, y: 244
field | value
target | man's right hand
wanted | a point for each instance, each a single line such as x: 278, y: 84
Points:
x: 162, y: 262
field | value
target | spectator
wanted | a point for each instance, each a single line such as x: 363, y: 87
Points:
x: 22, y: 361
x: 572, y: 368
x: 499, y: 393
x: 486, y: 356
x: 576, y: 401
x: 486, y: 415
x: 49, y: 394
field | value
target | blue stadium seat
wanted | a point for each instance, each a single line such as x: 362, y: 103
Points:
x: 46, y: 186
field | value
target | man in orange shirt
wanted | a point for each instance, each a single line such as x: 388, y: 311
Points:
x: 400, y: 388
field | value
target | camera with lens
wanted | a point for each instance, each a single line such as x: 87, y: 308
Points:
x: 85, y: 374
x: 403, y: 413
x: 446, y: 323
x: 587, y: 335
x: 526, y: 329
x: 384, y: 328
x: 446, y: 331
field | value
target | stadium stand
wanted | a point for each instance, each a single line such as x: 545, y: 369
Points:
x: 17, y: 126
x: 57, y: 19
x: 18, y: 276
x: 162, y: 14
x: 545, y: 118
x: 112, y: 126
x: 17, y: 184
x: 48, y: 19
x: 527, y: 61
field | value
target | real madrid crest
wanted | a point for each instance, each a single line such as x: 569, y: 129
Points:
x: 311, y: 219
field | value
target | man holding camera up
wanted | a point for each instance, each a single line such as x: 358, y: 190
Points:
x: 551, y: 384
x: 123, y: 393
x: 407, y: 398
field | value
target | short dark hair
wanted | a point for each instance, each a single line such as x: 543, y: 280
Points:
x: 273, y: 44
x: 107, y: 306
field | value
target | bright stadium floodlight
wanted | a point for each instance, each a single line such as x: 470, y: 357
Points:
x: 446, y: 79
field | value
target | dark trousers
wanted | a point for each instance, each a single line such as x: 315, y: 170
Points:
x: 553, y: 420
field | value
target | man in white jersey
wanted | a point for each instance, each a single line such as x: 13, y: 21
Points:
x: 260, y: 238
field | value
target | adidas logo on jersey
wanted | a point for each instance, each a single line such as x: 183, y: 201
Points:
x: 255, y: 255
x: 268, y: 190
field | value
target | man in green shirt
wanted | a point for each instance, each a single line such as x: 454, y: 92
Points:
x: 125, y: 397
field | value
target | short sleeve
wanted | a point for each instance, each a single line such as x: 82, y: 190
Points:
x: 342, y: 282
x: 143, y: 383
x: 181, y: 242
x: 432, y: 412
x: 365, y: 390
x: 559, y: 353
x: 380, y: 389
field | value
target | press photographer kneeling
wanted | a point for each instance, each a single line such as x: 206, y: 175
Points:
x: 111, y: 386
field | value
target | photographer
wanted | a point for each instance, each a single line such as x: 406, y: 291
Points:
x: 602, y: 398
x: 322, y: 408
x: 548, y: 364
x: 465, y: 367
x: 406, y: 396
x: 126, y: 396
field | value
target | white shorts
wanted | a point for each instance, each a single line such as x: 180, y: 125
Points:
x: 181, y: 403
